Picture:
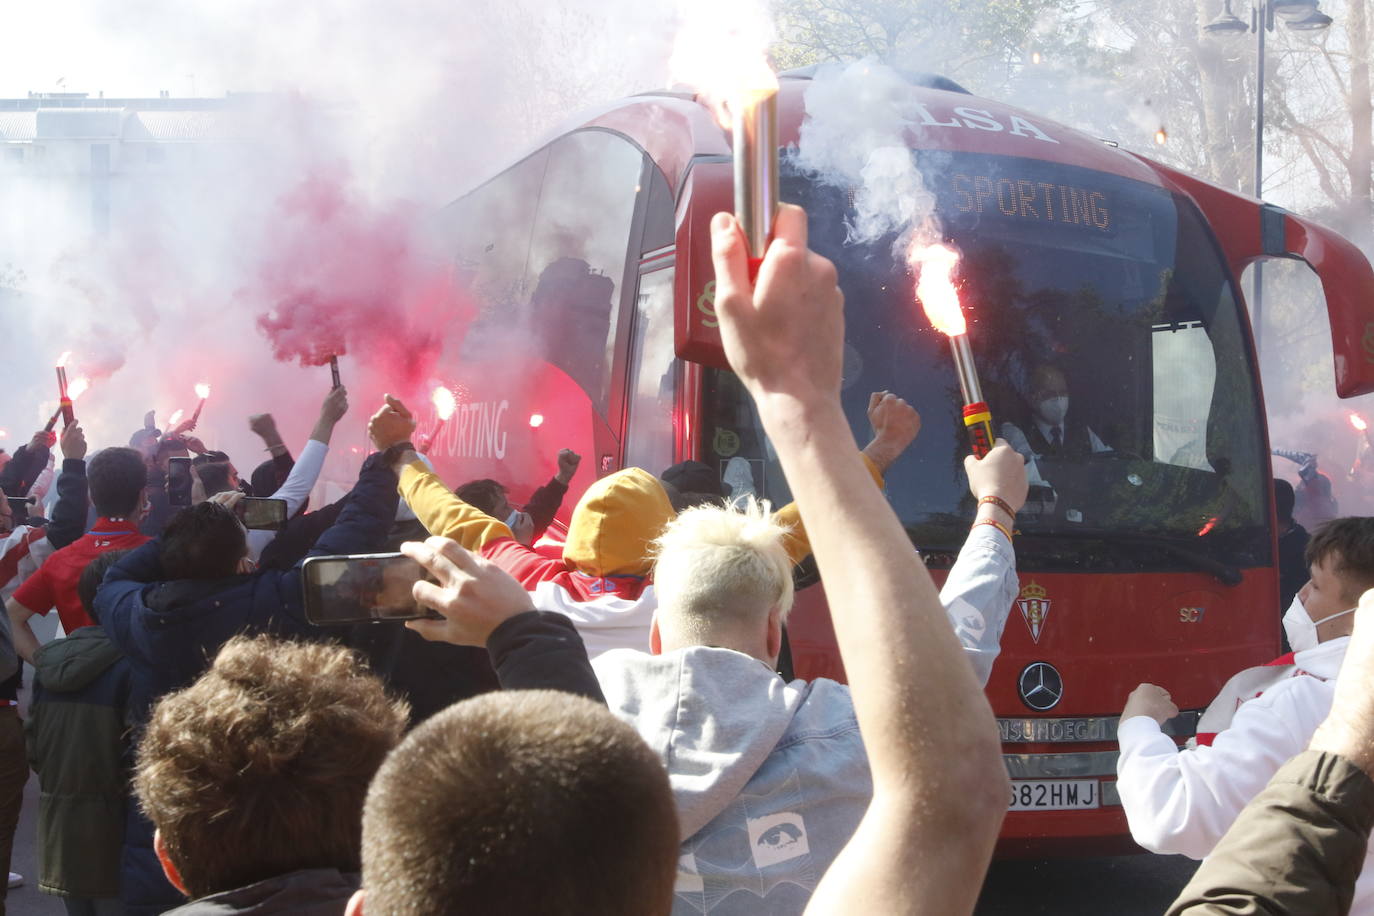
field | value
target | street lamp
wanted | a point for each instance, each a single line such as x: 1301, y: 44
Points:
x: 1300, y: 16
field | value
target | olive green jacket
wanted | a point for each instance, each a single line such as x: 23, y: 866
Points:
x: 1297, y: 848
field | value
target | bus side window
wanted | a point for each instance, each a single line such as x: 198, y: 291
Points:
x: 490, y: 230
x: 578, y: 255
x: 649, y: 439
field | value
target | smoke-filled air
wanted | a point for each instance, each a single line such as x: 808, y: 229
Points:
x: 444, y: 425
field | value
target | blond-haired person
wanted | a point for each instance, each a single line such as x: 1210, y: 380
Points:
x: 771, y: 778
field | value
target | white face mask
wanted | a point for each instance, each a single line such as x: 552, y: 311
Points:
x: 1299, y: 628
x: 1053, y: 410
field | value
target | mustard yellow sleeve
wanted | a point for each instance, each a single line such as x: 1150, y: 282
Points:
x: 444, y: 514
x: 797, y: 543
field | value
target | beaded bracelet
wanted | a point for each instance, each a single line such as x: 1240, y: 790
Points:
x: 1000, y: 503
x: 996, y: 524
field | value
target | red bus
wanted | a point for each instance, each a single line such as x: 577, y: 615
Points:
x: 1151, y: 558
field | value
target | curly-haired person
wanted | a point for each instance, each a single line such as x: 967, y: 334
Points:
x: 255, y: 777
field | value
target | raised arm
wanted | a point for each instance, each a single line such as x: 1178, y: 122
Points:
x: 73, y: 498
x: 925, y: 842
x: 436, y: 506
x: 895, y: 426
x: 265, y: 426
x: 543, y: 505
x: 28, y: 462
x: 306, y: 469
x: 982, y: 585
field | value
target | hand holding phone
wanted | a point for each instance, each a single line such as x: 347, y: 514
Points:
x: 366, y: 588
x: 473, y: 595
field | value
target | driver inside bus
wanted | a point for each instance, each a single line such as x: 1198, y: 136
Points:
x: 1052, y: 432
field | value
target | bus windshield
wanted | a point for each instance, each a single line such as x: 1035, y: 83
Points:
x: 1111, y: 351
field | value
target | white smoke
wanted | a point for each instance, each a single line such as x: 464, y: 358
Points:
x: 856, y: 135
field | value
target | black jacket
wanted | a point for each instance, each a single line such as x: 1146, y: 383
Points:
x: 542, y: 650
x: 310, y: 892
x: 23, y: 469
x: 543, y: 505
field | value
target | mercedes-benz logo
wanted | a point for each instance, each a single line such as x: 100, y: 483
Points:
x: 1041, y: 686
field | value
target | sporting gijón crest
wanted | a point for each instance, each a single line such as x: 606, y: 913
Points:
x: 1035, y: 608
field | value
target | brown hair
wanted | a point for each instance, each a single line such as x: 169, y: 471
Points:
x: 1348, y: 543
x: 261, y: 766
x: 523, y: 802
x: 484, y: 494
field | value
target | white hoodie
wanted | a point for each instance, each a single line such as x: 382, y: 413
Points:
x: 1184, y: 801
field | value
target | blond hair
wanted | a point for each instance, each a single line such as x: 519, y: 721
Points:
x: 719, y: 567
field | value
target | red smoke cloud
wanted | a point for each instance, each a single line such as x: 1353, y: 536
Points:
x: 339, y: 276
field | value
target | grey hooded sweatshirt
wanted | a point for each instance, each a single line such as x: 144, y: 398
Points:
x: 771, y: 779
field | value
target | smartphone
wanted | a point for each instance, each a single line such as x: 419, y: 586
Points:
x: 262, y: 514
x: 178, y: 482
x: 366, y: 588
x: 21, y: 507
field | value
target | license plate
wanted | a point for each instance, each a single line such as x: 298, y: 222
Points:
x: 1055, y: 794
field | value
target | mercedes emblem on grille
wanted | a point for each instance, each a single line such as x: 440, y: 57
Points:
x: 1041, y: 686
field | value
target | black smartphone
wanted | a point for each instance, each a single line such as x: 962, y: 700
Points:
x: 20, y: 508
x: 178, y: 482
x: 262, y: 514
x: 366, y: 588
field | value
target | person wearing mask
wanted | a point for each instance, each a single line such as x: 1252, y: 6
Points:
x: 1183, y: 801
x: 1052, y: 432
x: 529, y: 523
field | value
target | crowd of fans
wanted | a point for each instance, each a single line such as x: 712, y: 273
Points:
x: 600, y: 728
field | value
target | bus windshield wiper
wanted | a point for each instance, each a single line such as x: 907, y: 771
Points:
x: 1177, y: 547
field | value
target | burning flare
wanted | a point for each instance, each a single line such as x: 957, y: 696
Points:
x: 723, y: 55
x: 202, y: 390
x: 62, y: 360
x: 78, y: 387
x: 1161, y: 137
x: 175, y: 418
x: 935, y: 290
x: 536, y: 420
x: 1358, y: 422
x: 444, y: 402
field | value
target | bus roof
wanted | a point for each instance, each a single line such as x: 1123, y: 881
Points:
x: 675, y: 127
